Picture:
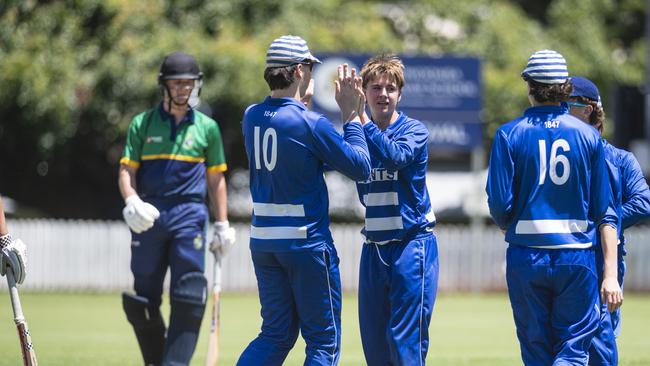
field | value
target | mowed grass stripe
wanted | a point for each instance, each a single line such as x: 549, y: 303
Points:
x: 91, y: 329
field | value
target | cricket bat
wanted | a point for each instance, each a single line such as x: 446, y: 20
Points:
x: 26, y: 347
x: 213, y: 341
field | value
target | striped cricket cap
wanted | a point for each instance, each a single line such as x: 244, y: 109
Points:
x: 546, y: 66
x: 289, y: 50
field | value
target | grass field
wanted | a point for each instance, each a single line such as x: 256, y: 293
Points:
x: 90, y: 329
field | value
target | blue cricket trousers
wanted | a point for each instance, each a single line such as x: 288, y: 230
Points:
x: 176, y: 240
x: 397, y: 290
x: 298, y: 290
x: 554, y: 298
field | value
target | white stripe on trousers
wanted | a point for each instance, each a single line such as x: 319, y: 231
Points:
x: 551, y: 226
x: 329, y: 290
x: 278, y: 232
x: 424, y: 255
x: 384, y: 223
x: 278, y: 210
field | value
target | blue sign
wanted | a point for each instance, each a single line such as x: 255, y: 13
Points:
x: 442, y: 92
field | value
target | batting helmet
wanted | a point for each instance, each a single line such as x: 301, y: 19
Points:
x: 179, y: 65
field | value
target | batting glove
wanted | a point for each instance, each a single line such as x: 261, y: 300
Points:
x: 13, y: 256
x: 138, y: 214
x: 223, y: 238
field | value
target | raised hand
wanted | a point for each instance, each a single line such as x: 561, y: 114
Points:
x: 347, y: 93
x: 305, y: 97
x: 361, y: 106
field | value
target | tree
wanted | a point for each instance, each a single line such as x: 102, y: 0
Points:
x: 74, y: 72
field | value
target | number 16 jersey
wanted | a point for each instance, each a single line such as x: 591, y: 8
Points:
x: 548, y: 185
x: 288, y: 147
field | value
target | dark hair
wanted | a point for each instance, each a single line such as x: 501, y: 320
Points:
x: 597, y: 116
x: 280, y: 77
x: 550, y: 93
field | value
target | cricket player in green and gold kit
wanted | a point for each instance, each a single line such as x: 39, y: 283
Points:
x: 172, y: 154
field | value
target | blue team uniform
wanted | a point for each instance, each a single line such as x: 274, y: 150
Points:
x: 398, y: 275
x: 548, y: 188
x: 631, y: 200
x: 295, y: 260
x: 636, y: 207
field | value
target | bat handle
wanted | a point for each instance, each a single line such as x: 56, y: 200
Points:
x: 19, y: 317
x: 216, y: 274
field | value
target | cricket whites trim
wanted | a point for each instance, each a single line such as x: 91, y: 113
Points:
x: 551, y: 226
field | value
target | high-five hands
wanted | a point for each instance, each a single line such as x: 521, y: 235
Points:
x: 349, y: 95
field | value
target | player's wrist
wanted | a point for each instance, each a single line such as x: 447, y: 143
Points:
x: 610, y: 270
x: 353, y: 118
x: 5, y: 240
x: 363, y: 118
x: 221, y: 224
x: 132, y: 199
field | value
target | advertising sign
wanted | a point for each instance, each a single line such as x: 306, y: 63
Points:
x: 442, y: 92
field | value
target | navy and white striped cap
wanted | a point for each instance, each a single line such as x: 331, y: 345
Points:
x: 546, y: 66
x: 289, y: 50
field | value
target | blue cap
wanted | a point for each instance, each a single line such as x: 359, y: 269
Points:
x: 585, y: 88
x: 547, y: 67
x: 289, y: 50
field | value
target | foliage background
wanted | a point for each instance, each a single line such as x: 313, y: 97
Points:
x: 74, y: 72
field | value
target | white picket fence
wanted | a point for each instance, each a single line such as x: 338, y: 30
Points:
x: 66, y: 255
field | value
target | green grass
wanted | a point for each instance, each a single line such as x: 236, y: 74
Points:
x: 88, y: 329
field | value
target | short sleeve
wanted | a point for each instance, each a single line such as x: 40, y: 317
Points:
x: 133, y: 148
x: 215, y: 159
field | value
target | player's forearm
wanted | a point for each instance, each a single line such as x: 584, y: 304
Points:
x: 353, y: 162
x: 499, y: 193
x: 394, y: 155
x: 218, y: 195
x: 3, y: 223
x: 609, y: 242
x: 221, y: 203
x: 126, y: 181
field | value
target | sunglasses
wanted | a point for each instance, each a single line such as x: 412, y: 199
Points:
x: 575, y: 104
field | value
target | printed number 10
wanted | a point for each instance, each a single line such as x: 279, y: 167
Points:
x: 556, y: 159
x: 270, y: 138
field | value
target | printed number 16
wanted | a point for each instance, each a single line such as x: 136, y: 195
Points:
x: 556, y: 160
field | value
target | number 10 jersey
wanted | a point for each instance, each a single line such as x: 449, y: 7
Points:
x: 288, y: 148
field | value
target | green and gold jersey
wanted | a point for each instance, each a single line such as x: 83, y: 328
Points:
x: 172, y: 159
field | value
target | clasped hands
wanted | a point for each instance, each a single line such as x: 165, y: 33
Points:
x: 349, y: 95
